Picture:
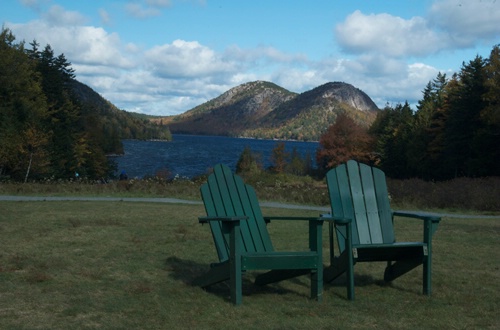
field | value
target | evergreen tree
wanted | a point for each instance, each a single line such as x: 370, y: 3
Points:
x: 23, y: 110
x: 393, y: 130
x: 248, y: 162
x: 297, y: 165
x: 455, y: 130
x: 486, y: 142
x: 466, y: 102
x: 424, y: 148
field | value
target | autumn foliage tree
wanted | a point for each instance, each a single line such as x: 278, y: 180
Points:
x: 279, y: 158
x: 344, y: 140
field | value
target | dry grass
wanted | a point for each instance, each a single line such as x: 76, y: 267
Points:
x: 478, y: 194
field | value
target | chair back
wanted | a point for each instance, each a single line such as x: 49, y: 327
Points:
x: 225, y: 195
x: 359, y: 192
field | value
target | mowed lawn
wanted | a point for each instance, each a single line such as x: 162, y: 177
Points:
x: 120, y: 265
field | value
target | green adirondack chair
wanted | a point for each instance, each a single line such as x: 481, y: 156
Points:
x: 243, y: 243
x: 359, y: 192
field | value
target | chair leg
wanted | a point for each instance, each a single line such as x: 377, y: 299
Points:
x: 350, y: 263
x: 429, y: 228
x: 427, y: 276
x: 317, y: 285
x: 235, y: 264
x: 316, y: 245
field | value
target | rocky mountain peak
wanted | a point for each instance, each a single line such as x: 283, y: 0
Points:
x: 347, y: 93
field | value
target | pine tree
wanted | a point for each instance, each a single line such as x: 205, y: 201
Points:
x: 486, y: 140
x: 297, y: 165
x: 393, y: 130
x: 466, y: 102
x: 23, y: 111
x: 248, y: 162
x: 424, y: 148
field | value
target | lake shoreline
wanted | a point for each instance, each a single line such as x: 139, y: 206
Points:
x: 188, y: 156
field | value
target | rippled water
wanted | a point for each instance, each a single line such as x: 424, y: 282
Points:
x: 192, y: 155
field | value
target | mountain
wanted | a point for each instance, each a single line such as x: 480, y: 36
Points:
x: 232, y: 112
x: 265, y: 110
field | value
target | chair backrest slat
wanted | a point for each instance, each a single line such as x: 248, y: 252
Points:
x: 338, y: 186
x: 213, y: 206
x: 384, y: 207
x: 372, y: 213
x: 358, y: 202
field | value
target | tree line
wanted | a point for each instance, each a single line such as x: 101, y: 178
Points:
x: 52, y: 126
x: 282, y: 162
x: 454, y: 132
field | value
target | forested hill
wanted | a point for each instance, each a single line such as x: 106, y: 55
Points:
x: 52, y: 125
x: 262, y: 109
x: 115, y: 123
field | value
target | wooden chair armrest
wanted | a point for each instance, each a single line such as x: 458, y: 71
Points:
x: 227, y: 219
x: 337, y: 220
x: 268, y: 219
x: 417, y: 215
x: 431, y: 222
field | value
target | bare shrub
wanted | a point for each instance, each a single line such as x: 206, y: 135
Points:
x: 480, y: 194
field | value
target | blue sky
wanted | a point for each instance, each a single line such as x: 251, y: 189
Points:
x: 164, y: 57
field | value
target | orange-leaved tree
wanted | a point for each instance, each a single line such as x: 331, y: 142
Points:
x: 344, y: 140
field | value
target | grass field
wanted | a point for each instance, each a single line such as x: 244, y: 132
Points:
x: 117, y: 265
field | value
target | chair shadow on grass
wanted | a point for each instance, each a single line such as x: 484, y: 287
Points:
x: 363, y: 280
x: 187, y: 271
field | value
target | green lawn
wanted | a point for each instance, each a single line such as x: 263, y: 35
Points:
x: 118, y: 265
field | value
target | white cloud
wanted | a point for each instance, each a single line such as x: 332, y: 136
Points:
x: 386, y: 34
x: 139, y: 11
x: 33, y: 4
x: 58, y: 16
x: 29, y: 3
x: 297, y: 80
x: 265, y: 54
x: 93, y: 71
x: 380, y: 65
x: 467, y: 22
x: 385, y: 47
x: 450, y: 24
x: 406, y: 85
x: 80, y: 44
x: 159, y: 3
x: 104, y: 15
x: 184, y: 59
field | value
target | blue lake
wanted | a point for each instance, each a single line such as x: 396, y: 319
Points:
x: 192, y: 155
